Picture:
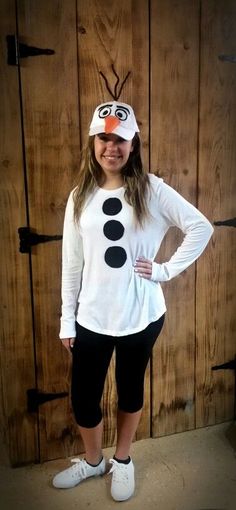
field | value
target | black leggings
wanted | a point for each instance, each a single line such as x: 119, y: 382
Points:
x: 92, y: 354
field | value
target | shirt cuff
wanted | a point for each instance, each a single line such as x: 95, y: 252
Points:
x: 67, y: 331
x: 159, y: 273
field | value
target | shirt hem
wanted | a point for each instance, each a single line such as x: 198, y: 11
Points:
x: 124, y: 332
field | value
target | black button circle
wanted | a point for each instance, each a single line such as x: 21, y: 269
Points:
x: 115, y: 256
x: 112, y: 206
x: 113, y: 230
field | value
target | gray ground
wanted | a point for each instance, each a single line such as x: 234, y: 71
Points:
x: 189, y: 471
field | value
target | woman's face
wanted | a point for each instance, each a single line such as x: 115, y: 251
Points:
x: 112, y: 153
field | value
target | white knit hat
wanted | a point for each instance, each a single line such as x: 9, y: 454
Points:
x: 114, y: 117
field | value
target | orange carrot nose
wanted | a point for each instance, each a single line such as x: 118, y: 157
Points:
x: 111, y: 123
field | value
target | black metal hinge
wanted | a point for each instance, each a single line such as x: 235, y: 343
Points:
x: 35, y: 398
x: 226, y: 223
x: 227, y: 58
x: 229, y: 365
x: 28, y: 238
x: 17, y: 50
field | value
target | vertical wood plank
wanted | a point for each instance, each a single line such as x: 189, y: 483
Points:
x: 117, y: 35
x: 16, y: 351
x: 51, y: 120
x: 140, y: 101
x: 216, y: 279
x: 174, y: 125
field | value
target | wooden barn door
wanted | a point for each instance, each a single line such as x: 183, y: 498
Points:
x: 18, y: 427
x: 216, y: 276
x: 42, y: 144
x: 192, y: 133
x: 54, y: 105
x: 162, y: 57
x: 50, y: 113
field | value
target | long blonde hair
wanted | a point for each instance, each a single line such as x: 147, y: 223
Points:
x: 136, y: 182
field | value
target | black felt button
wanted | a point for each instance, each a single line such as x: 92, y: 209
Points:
x: 113, y: 230
x: 112, y: 206
x: 115, y: 256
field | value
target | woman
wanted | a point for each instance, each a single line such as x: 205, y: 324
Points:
x: 115, y: 221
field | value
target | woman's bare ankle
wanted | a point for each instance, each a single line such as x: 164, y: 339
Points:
x: 94, y: 460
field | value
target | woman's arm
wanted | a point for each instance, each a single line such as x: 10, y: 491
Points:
x: 197, y: 229
x: 72, y: 268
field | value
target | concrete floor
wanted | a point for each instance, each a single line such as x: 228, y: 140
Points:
x: 189, y: 471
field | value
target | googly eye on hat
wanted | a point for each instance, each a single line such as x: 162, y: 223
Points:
x: 114, y: 117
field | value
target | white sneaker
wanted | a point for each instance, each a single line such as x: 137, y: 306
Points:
x: 123, y: 484
x: 77, y: 473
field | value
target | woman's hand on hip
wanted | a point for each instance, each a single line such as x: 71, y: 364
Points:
x: 68, y: 343
x: 143, y: 267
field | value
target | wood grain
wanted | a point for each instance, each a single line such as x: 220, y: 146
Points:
x: 216, y: 278
x: 51, y: 120
x: 173, y: 143
x: 116, y: 36
x: 185, y: 106
x: 17, y: 350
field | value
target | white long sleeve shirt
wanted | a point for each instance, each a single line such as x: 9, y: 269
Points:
x: 100, y: 288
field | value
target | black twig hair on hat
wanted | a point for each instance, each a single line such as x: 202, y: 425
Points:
x: 115, y: 94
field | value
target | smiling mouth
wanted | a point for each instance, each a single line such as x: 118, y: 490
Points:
x: 111, y: 158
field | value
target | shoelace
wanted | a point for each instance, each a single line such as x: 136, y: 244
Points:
x: 80, y: 467
x: 119, y: 470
